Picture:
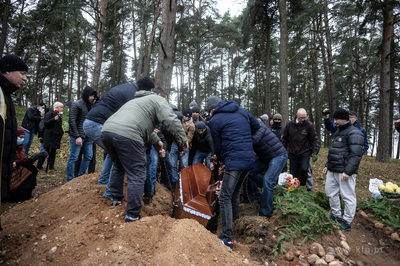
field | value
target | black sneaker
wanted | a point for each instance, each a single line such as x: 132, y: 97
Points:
x: 333, y: 217
x: 40, y: 168
x: 345, y: 225
x: 116, y: 202
x: 129, y: 219
x: 53, y: 169
x: 38, y: 156
x: 227, y: 243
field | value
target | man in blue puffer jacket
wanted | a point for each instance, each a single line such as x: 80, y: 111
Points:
x: 272, y: 157
x: 231, y: 128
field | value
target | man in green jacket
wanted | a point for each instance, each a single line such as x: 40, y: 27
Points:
x: 125, y: 135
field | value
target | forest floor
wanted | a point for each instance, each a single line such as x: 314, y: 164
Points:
x: 72, y: 224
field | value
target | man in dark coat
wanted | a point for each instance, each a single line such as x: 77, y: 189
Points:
x: 202, y: 143
x: 272, y: 157
x: 299, y: 135
x: 341, y: 169
x: 329, y: 125
x: 13, y: 72
x: 78, y: 138
x: 52, y: 134
x: 231, y: 128
x: 110, y: 103
x: 31, y: 124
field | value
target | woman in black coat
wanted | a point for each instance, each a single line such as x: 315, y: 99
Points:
x: 52, y: 134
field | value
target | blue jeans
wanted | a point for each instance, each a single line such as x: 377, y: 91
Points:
x: 229, y: 199
x: 93, y: 131
x: 73, y: 155
x: 151, y: 172
x: 174, y: 153
x: 199, y: 156
x: 185, y: 159
x: 28, y: 140
x: 273, y: 169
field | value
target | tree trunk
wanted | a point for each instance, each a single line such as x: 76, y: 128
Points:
x: 101, y: 20
x: 332, y: 90
x: 40, y: 96
x: 135, y: 62
x: 139, y: 70
x: 284, y: 110
x: 267, y: 51
x: 4, y: 25
x: 78, y: 57
x: 113, y: 81
x: 166, y: 53
x: 315, y: 74
x: 51, y: 100
x: 384, y: 104
x: 150, y: 46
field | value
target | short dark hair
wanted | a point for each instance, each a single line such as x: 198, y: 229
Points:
x: 41, y: 104
x: 161, y: 91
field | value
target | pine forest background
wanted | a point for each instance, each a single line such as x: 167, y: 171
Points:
x: 275, y: 56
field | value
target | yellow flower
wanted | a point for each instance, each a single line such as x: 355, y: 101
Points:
x: 395, y: 187
x: 389, y: 189
x: 381, y: 187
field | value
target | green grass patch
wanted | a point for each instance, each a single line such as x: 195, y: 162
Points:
x: 384, y: 211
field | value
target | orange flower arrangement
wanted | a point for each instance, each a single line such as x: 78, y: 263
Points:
x: 291, y: 183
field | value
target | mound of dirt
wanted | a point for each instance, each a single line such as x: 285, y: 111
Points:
x: 74, y: 224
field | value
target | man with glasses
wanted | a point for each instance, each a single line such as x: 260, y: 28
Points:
x: 299, y: 135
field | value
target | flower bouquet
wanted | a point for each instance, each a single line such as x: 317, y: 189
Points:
x: 390, y: 190
x: 291, y: 183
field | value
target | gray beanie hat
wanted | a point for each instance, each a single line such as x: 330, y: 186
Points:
x: 193, y: 103
x: 264, y: 117
x: 212, y: 102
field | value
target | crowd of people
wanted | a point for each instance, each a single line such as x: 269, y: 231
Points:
x: 141, y: 133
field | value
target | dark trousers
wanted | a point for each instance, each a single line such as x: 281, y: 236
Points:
x: 51, y: 159
x: 92, y: 163
x: 129, y: 157
x: 299, y: 167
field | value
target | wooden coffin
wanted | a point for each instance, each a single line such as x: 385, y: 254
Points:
x: 190, y: 194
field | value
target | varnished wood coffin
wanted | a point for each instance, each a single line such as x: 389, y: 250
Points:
x: 190, y: 194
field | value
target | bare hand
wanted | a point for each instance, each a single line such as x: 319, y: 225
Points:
x: 219, y: 185
x: 181, y: 153
x: 162, y: 153
x: 56, y: 117
x: 78, y: 141
x: 325, y: 170
x: 186, y: 145
x: 345, y: 176
x: 398, y: 121
x: 156, y: 130
x: 211, y: 166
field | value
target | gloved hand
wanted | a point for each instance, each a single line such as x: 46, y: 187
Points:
x: 314, y: 158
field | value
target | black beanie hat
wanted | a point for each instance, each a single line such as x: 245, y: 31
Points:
x: 187, y: 112
x: 145, y: 83
x: 341, y: 114
x: 10, y: 63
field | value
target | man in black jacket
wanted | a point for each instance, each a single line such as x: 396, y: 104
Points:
x: 13, y: 72
x: 202, y: 143
x: 341, y: 169
x: 77, y: 136
x: 31, y: 124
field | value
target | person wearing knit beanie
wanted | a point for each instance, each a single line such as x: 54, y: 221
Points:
x: 14, y: 69
x: 145, y: 83
x: 341, y: 114
x: 187, y: 112
x: 192, y: 104
x: 212, y: 102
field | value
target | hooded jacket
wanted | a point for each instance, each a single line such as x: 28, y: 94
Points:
x: 345, y: 153
x: 78, y: 112
x: 203, y: 143
x: 31, y: 119
x: 149, y: 110
x: 231, y: 128
x: 9, y: 142
x: 266, y: 145
x: 112, y: 101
